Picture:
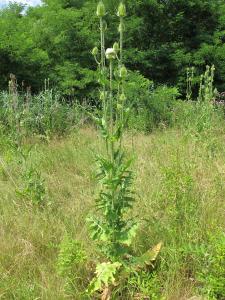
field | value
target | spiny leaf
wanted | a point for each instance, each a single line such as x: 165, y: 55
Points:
x: 126, y: 237
x: 105, y: 276
x: 147, y: 258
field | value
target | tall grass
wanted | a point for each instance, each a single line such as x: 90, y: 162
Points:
x: 180, y: 192
x: 44, y: 114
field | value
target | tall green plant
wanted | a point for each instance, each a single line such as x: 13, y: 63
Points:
x: 189, y: 82
x: 206, y: 98
x: 112, y: 228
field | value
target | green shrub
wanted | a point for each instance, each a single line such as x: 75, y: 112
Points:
x: 152, y: 108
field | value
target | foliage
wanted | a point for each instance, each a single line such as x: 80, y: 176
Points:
x: 70, y: 257
x: 212, y: 274
x: 145, y: 285
x: 199, y: 116
x: 33, y: 189
x: 44, y: 114
x: 154, y: 108
x: 105, y: 276
x: 162, y: 39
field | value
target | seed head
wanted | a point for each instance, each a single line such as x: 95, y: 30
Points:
x: 123, y: 97
x: 116, y: 47
x: 95, y: 51
x: 123, y: 72
x: 100, y: 9
x: 110, y: 53
x: 121, y: 10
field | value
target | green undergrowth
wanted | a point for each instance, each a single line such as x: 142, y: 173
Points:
x: 45, y: 249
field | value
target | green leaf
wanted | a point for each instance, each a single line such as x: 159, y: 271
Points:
x: 147, y: 258
x: 105, y: 276
x: 127, y: 236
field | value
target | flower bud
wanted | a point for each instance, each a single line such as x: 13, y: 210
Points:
x: 95, y: 51
x: 123, y: 72
x: 100, y: 9
x: 123, y: 97
x: 119, y: 106
x: 110, y: 53
x: 116, y: 47
x: 121, y: 28
x: 121, y: 10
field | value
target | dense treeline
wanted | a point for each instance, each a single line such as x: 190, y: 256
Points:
x: 163, y: 37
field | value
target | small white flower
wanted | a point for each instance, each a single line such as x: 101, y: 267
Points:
x: 110, y: 53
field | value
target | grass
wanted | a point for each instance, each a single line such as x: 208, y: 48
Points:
x: 180, y: 191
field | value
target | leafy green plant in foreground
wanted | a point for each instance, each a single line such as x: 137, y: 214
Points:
x: 112, y: 228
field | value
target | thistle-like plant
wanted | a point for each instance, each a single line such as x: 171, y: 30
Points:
x: 189, y: 81
x: 206, y: 98
x: 113, y: 229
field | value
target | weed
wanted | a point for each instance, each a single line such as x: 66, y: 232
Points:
x: 33, y: 189
x: 113, y: 230
x: 71, y: 256
x: 145, y: 285
x: 211, y: 274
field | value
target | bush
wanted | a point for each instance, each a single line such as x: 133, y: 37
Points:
x: 151, y: 108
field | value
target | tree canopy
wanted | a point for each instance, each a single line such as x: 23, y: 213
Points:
x: 163, y: 37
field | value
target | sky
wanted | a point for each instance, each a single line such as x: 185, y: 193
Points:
x: 4, y: 3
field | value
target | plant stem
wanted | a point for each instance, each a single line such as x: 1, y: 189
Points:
x: 121, y: 41
x: 111, y: 108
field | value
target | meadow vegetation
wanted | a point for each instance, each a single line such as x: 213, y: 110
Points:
x: 120, y: 196
x: 180, y: 200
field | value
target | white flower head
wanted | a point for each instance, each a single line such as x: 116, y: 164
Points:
x: 110, y: 53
